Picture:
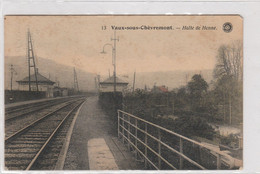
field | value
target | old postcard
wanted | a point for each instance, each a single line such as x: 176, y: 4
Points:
x: 126, y: 92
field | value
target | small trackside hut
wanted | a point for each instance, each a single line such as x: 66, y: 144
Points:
x: 107, y: 85
x: 108, y: 98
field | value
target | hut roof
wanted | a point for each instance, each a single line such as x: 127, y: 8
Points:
x: 40, y: 79
x: 110, y: 80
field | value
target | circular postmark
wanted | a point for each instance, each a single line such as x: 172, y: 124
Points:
x: 227, y: 27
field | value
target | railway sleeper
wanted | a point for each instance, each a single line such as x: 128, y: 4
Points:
x: 31, y: 139
x: 11, y: 156
x: 42, y: 132
x: 15, y: 167
x: 24, y: 152
x: 55, y: 148
x: 21, y: 150
x: 28, y: 142
x: 17, y: 162
x: 28, y: 134
x: 29, y: 146
x: 52, y: 155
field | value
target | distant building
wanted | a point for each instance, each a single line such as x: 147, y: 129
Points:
x: 44, y: 84
x: 56, y: 91
x: 160, y: 89
x: 64, y: 92
x: 108, y: 85
x: 60, y: 92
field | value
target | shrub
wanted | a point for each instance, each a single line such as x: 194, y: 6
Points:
x: 193, y: 126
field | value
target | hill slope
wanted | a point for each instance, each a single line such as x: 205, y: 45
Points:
x: 64, y: 74
x: 50, y: 69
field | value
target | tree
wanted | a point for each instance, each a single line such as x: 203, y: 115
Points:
x: 197, y: 86
x: 228, y: 75
x: 181, y: 101
x: 229, y: 61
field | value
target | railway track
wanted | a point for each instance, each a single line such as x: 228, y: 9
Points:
x: 20, y: 111
x: 21, y: 108
x: 37, y: 145
x: 16, y: 122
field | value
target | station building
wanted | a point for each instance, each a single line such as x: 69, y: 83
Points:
x: 44, y: 84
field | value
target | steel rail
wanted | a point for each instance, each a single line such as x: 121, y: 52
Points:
x: 24, y: 107
x: 50, y: 137
x: 8, y: 139
x: 46, y: 105
x: 11, y: 109
x: 32, y: 111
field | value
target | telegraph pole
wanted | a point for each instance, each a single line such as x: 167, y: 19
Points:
x: 31, y: 61
x: 134, y: 83
x: 98, y: 80
x: 114, y: 59
x: 186, y: 79
x: 230, y: 110
x: 95, y: 83
x: 76, y: 85
x: 12, y: 72
x: 224, y: 107
x: 12, y: 77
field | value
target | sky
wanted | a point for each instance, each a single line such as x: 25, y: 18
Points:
x: 78, y: 40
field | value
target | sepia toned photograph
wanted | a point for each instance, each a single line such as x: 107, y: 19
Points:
x: 123, y: 92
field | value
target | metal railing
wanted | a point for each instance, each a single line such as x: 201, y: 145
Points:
x: 161, y: 148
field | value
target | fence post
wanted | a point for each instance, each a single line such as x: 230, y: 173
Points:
x: 123, y: 131
x: 145, y: 148
x: 159, y: 148
x: 136, y: 137
x: 200, y: 155
x: 118, y: 124
x: 218, y: 162
x: 181, y: 151
x: 128, y: 134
